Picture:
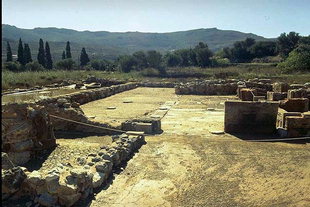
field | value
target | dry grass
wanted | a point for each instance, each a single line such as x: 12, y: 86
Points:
x: 241, y: 71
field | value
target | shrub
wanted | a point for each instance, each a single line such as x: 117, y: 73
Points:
x: 12, y: 66
x: 34, y: 66
x: 101, y: 65
x: 66, y: 64
x: 298, y: 60
x: 127, y: 63
x: 150, y: 72
x: 221, y: 62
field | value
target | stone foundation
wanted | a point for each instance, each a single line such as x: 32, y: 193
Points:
x: 250, y: 117
x: 66, y: 185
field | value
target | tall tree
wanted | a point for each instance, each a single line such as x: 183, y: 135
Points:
x: 84, y: 57
x: 48, y: 56
x: 63, y: 55
x: 9, y: 56
x: 27, y: 54
x: 68, y: 50
x: 20, y: 52
x: 154, y: 59
x: 287, y: 43
x: 41, y: 54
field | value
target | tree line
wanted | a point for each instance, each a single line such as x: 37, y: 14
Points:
x: 292, y: 48
x: 44, y: 58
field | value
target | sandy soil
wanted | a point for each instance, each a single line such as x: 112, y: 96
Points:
x: 189, y: 166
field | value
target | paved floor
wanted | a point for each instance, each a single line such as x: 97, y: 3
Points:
x: 188, y: 166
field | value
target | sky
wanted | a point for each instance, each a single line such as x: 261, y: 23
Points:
x: 268, y: 18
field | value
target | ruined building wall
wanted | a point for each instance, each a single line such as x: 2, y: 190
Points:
x: 26, y: 129
x: 250, y: 117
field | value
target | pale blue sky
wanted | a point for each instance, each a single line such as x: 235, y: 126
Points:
x: 268, y: 18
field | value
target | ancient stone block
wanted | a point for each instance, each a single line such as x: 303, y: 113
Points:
x: 295, y: 104
x: 297, y: 93
x: 259, y: 98
x: 247, y: 94
x: 12, y: 180
x: 280, y: 87
x: 250, y: 117
x: 276, y: 96
x: 144, y: 127
x: 19, y: 158
x: 6, y: 162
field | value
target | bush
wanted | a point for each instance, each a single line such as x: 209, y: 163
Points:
x: 34, y: 66
x: 127, y: 63
x: 12, y: 66
x: 66, y: 64
x: 298, y: 60
x: 220, y: 62
x: 150, y: 72
x: 101, y: 65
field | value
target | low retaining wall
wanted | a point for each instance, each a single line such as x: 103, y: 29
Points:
x: 207, y: 87
x: 66, y: 185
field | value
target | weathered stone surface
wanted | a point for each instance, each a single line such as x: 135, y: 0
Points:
x: 250, y: 117
x: 276, y: 96
x: 279, y: 87
x: 52, y: 182
x: 12, y: 180
x: 295, y: 104
x: 247, y: 94
x: 69, y: 200
x: 19, y: 158
x: 46, y: 199
x: 104, y: 167
x: 22, y: 146
x: 98, y: 179
x: 6, y: 162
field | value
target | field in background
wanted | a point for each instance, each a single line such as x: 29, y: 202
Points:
x: 240, y: 71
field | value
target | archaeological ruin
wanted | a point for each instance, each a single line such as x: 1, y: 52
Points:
x: 32, y: 169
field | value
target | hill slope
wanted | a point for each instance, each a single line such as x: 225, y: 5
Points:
x: 111, y: 44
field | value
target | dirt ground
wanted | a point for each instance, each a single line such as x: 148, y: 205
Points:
x: 186, y: 165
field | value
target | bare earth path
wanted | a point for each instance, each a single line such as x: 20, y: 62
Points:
x: 189, y: 166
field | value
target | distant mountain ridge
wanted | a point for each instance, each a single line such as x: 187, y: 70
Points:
x: 103, y: 44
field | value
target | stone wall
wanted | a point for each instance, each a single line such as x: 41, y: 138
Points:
x: 207, y: 87
x: 250, y: 117
x: 65, y: 185
x: 293, y: 124
x: 223, y: 87
x: 158, y: 84
x: 26, y: 129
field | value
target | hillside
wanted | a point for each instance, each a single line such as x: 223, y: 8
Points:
x: 111, y: 44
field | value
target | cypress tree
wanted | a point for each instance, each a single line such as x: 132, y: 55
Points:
x: 63, y: 55
x: 27, y: 54
x: 20, y: 52
x: 49, y: 61
x: 9, y: 56
x: 68, y: 50
x: 41, y: 54
x: 84, y: 57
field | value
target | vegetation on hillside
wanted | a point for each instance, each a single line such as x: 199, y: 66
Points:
x: 110, y: 45
x: 198, y: 62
